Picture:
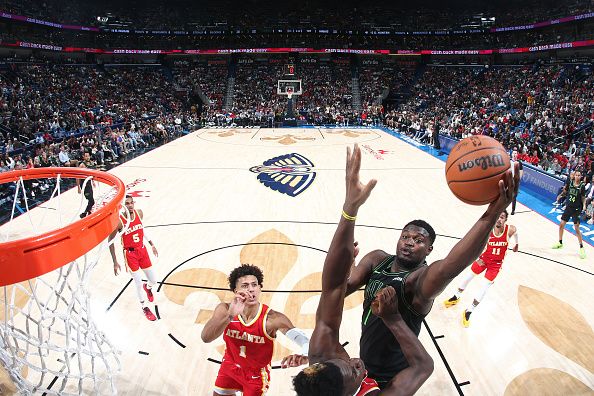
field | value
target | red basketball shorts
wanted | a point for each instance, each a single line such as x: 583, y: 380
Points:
x: 492, y: 269
x: 233, y: 377
x: 137, y: 258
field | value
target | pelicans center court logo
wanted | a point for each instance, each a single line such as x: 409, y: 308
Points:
x: 289, y: 174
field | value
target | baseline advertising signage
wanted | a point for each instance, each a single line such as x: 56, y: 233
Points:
x: 546, y: 47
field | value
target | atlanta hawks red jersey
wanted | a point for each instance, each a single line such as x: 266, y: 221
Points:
x: 368, y: 385
x: 496, y: 248
x: 133, y: 237
x: 248, y: 344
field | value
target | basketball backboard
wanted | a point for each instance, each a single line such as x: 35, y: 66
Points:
x: 284, y: 87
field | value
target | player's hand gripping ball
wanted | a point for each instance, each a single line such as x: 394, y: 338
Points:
x: 474, y: 167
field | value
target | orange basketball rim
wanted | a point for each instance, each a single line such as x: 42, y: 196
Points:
x: 28, y: 258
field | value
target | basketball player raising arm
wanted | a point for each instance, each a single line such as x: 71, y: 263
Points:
x: 332, y: 371
x: 249, y: 328
x: 416, y: 283
x: 135, y: 255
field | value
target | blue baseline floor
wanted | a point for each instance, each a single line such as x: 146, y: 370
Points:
x: 532, y: 201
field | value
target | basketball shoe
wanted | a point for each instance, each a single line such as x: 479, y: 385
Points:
x: 149, y: 293
x: 466, y: 318
x: 557, y: 245
x: 149, y: 315
x: 451, y: 302
x: 582, y: 253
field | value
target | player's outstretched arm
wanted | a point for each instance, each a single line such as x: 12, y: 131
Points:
x: 420, y: 364
x: 278, y: 321
x: 116, y: 266
x: 439, y: 274
x: 339, y: 259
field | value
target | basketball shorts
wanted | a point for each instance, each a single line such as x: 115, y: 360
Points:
x: 232, y: 378
x: 492, y: 269
x: 571, y: 213
x: 137, y: 258
x: 367, y: 386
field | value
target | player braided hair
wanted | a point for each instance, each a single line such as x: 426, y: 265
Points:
x: 320, y: 379
x: 244, y: 270
x: 424, y: 225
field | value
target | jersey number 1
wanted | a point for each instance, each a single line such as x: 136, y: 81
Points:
x: 242, y: 351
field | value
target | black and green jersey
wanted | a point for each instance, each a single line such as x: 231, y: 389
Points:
x: 575, y: 195
x: 379, y: 350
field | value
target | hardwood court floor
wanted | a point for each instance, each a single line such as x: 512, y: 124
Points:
x: 207, y: 212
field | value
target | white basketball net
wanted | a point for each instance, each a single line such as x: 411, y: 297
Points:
x: 49, y: 342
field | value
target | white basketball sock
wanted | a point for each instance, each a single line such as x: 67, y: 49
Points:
x: 469, y: 276
x: 138, y: 284
x: 485, y: 285
x: 150, y: 275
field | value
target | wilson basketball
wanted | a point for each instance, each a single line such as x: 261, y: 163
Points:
x: 474, y: 167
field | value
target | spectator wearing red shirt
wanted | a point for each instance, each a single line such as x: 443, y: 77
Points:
x: 533, y: 159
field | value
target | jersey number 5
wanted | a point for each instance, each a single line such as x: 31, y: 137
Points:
x: 136, y: 238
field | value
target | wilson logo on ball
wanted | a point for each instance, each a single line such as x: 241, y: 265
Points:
x: 484, y: 162
x: 474, y: 168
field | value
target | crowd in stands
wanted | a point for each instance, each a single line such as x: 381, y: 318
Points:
x: 326, y: 98
x: 376, y: 82
x: 51, y: 114
x: 544, y: 112
x: 539, y: 108
x: 255, y: 98
x: 208, y: 78
x: 60, y: 114
x: 64, y: 98
x: 327, y: 93
x: 106, y: 146
x: 100, y: 148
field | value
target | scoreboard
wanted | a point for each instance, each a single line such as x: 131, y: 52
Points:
x: 289, y: 69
